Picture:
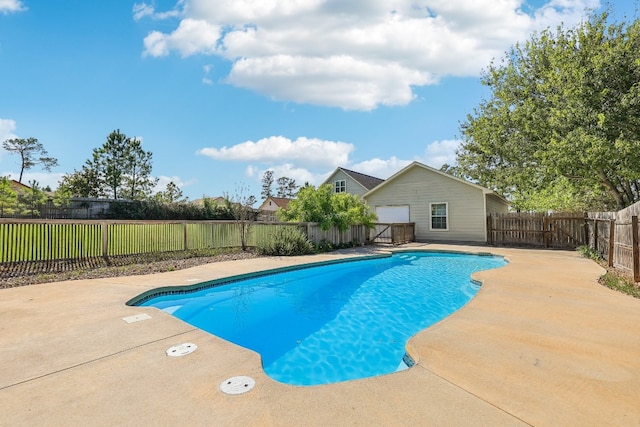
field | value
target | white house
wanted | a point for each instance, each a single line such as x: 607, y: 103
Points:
x: 269, y: 207
x: 442, y: 206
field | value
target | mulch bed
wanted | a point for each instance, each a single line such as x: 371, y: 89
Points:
x: 12, y: 276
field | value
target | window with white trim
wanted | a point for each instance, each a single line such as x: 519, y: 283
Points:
x: 439, y: 216
x: 340, y: 186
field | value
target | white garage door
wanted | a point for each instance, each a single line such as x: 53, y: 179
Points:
x: 390, y: 214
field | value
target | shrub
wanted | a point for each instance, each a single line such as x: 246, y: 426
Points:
x: 286, y: 241
x: 587, y: 252
x: 325, y: 246
x: 158, y: 210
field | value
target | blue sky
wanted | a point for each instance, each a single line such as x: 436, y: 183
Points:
x: 221, y: 91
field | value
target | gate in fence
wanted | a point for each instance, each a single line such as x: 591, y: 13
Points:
x: 395, y: 233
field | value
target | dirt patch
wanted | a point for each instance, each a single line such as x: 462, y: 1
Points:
x: 123, y: 267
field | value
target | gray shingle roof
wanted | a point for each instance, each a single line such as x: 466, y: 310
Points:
x: 367, y: 181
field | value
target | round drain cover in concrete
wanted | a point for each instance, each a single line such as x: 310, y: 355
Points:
x: 182, y: 349
x: 237, y: 385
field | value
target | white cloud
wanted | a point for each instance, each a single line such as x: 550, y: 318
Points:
x: 304, y: 152
x: 164, y: 180
x: 356, y: 54
x: 342, y: 81
x: 11, y: 6
x: 7, y: 127
x: 440, y: 152
x: 143, y: 10
x: 207, y: 70
x: 313, y: 160
x: 192, y: 36
x: 435, y: 155
x: 380, y: 168
x: 300, y: 175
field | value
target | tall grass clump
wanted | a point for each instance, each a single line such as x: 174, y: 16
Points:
x: 612, y: 279
x: 620, y: 283
x: 286, y: 241
x: 587, y: 252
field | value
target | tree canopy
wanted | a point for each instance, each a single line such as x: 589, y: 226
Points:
x: 286, y: 187
x: 33, y: 199
x: 82, y: 183
x: 561, y: 129
x: 171, y: 194
x: 119, y: 169
x: 267, y: 182
x: 8, y: 197
x: 327, y: 208
x: 31, y: 153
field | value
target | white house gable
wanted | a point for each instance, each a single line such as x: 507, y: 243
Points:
x: 342, y: 181
x: 441, y: 206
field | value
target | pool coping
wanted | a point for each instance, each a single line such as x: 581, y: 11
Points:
x: 542, y: 343
x: 184, y: 289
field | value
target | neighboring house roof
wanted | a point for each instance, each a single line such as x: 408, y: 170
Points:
x: 429, y: 168
x: 367, y: 181
x: 22, y: 189
x: 280, y: 202
x: 18, y: 186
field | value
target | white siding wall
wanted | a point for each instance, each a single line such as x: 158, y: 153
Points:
x: 352, y: 186
x: 269, y: 205
x: 418, y: 187
x: 496, y: 205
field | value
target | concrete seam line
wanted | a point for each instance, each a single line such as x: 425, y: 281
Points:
x: 95, y: 360
x: 473, y: 394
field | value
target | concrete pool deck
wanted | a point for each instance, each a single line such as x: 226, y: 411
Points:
x: 541, y: 344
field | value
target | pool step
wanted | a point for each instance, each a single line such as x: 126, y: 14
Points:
x: 406, y: 362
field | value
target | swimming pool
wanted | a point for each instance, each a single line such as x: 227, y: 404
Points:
x: 335, y: 322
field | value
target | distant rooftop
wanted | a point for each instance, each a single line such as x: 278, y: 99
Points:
x: 281, y: 202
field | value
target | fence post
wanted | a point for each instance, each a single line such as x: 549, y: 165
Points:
x: 636, y: 251
x: 489, y: 231
x: 545, y: 231
x: 184, y: 230
x: 612, y: 241
x: 595, y: 234
x: 105, y: 240
x: 49, y: 243
x: 586, y: 229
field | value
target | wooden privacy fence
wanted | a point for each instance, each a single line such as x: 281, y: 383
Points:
x: 616, y: 241
x: 358, y: 234
x: 38, y: 246
x: 613, y: 236
x: 559, y: 231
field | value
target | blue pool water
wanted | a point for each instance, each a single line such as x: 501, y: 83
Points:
x: 334, y: 322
